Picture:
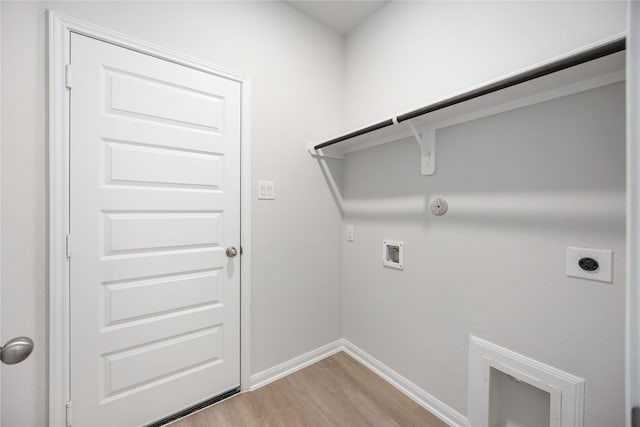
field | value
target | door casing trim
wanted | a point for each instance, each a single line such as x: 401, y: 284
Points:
x: 59, y: 29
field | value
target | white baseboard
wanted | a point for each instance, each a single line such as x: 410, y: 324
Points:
x: 415, y: 393
x: 270, y: 375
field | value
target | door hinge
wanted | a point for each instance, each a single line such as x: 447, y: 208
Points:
x: 68, y: 414
x: 67, y: 76
x: 68, y: 246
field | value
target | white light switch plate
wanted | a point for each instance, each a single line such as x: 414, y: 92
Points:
x: 266, y: 190
x: 604, y: 273
x: 351, y: 233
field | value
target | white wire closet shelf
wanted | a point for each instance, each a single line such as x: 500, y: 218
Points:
x: 593, y: 66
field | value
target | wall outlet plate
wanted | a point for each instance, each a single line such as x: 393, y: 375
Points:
x: 266, y: 190
x: 603, y: 257
x: 393, y: 254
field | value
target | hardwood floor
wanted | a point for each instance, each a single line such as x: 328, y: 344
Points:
x: 337, y: 391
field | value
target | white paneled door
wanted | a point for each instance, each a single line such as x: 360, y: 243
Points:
x: 154, y: 204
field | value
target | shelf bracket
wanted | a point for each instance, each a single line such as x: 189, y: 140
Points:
x: 323, y: 154
x: 427, y: 143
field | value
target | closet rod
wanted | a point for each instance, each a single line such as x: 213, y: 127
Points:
x: 355, y: 133
x: 541, y: 71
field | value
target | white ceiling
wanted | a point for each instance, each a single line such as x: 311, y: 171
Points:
x: 341, y: 16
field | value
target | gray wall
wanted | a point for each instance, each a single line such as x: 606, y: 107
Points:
x: 521, y: 186
x: 296, y: 96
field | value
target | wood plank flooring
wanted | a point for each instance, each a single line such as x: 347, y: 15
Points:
x: 337, y: 391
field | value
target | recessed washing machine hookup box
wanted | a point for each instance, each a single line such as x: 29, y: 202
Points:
x: 393, y: 254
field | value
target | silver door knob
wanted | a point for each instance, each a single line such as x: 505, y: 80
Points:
x: 16, y: 350
x: 231, y: 252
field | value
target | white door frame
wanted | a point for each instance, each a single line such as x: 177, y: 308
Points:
x: 1, y: 334
x: 59, y: 29
x: 633, y: 211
